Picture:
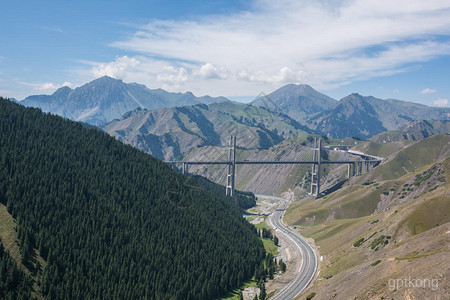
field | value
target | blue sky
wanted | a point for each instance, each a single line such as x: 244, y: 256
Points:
x: 238, y: 49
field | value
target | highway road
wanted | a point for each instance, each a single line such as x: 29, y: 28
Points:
x: 308, y: 266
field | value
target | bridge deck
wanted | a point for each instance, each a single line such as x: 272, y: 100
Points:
x: 267, y: 162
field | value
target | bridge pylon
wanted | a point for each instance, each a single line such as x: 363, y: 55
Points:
x: 231, y: 170
x: 315, y: 174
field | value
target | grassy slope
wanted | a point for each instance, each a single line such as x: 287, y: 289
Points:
x: 8, y: 234
x: 429, y: 214
x: 416, y: 227
x: 383, y: 150
x: 417, y: 155
x: 9, y: 238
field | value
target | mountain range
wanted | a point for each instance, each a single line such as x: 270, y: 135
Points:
x: 105, y: 99
x: 171, y: 133
x: 360, y: 116
x: 368, y: 229
x: 297, y: 101
x: 413, y: 131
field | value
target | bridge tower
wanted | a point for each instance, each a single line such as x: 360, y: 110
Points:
x: 185, y: 168
x: 231, y: 172
x: 315, y: 175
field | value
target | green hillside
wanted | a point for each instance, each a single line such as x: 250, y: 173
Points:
x: 374, y: 228
x: 112, y: 222
x: 14, y: 283
x: 413, y: 131
x: 382, y: 150
x: 415, y: 156
x: 171, y: 133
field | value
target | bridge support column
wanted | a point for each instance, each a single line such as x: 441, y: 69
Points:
x: 231, y: 173
x: 349, y: 168
x: 315, y: 174
x: 185, y: 168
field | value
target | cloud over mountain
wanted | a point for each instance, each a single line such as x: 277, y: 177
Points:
x: 321, y: 43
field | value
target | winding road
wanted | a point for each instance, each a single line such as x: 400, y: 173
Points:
x: 308, y: 266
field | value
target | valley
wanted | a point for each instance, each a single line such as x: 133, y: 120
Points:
x: 372, y: 225
x: 232, y: 150
x: 378, y: 228
x: 305, y: 253
x: 383, y: 226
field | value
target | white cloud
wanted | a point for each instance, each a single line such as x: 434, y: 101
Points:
x: 172, y: 75
x: 209, y: 71
x: 323, y: 43
x: 428, y: 91
x: 441, y: 102
x: 46, y: 86
x: 117, y: 68
x: 284, y: 75
x: 151, y: 72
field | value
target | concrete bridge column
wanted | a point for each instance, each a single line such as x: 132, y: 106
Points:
x: 231, y: 169
x: 315, y: 175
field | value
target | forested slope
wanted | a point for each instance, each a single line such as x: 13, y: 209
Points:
x: 14, y: 283
x: 113, y: 222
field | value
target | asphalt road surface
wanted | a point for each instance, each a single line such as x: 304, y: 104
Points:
x: 309, y: 260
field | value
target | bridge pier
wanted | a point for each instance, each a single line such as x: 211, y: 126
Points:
x: 185, y: 168
x: 231, y: 172
x: 315, y: 174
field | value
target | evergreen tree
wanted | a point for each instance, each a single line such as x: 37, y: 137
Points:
x: 112, y: 221
x: 14, y: 283
x: 282, y: 266
x: 262, y: 294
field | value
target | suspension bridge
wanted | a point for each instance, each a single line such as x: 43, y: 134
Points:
x: 355, y: 167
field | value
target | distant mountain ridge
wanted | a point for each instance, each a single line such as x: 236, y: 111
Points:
x: 297, y: 101
x: 170, y: 133
x: 352, y: 116
x: 413, y: 131
x: 360, y: 116
x: 106, y: 98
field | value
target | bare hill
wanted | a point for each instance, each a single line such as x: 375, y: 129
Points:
x: 378, y: 228
x: 171, y: 133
